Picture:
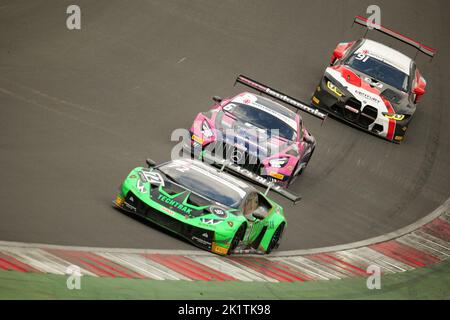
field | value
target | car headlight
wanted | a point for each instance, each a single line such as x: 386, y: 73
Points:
x: 394, y: 116
x: 206, y: 130
x: 278, y: 162
x: 334, y: 89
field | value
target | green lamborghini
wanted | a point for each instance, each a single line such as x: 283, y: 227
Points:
x: 210, y: 208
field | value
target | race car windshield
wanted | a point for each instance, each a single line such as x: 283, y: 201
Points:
x: 379, y: 70
x: 204, y: 184
x: 261, y: 119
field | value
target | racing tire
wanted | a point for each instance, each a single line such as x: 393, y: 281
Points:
x: 275, y: 241
x: 309, y: 158
x: 292, y: 177
x: 238, y: 237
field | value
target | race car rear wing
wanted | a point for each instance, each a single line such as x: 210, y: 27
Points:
x: 280, y: 96
x: 269, y: 185
x: 419, y: 46
x: 233, y: 168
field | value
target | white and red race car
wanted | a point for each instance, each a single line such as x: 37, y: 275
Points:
x: 373, y: 86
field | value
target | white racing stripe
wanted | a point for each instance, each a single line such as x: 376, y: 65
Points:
x: 42, y: 260
x: 355, y: 256
x: 316, y: 267
x: 253, y: 272
x: 224, y: 266
x: 381, y: 260
x: 144, y: 266
x: 437, y: 242
x: 425, y: 245
x: 315, y: 275
x: 40, y: 257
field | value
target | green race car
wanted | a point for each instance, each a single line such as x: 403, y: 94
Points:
x: 210, y: 208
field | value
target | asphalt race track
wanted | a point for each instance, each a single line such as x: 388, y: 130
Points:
x: 79, y: 109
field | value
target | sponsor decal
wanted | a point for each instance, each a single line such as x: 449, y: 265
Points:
x: 237, y: 156
x: 219, y: 249
x: 276, y: 175
x: 218, y: 212
x: 129, y: 207
x: 229, y: 107
x: 294, y: 102
x: 379, y: 85
x: 119, y: 201
x: 315, y: 100
x: 252, y: 176
x: 167, y: 210
x: 197, y: 139
x: 282, y: 97
x: 204, y: 242
x: 174, y: 204
x: 151, y: 176
x: 351, y: 109
x: 367, y: 96
x: 210, y: 222
x: 140, y: 186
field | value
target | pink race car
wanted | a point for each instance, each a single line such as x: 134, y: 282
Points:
x: 255, y: 137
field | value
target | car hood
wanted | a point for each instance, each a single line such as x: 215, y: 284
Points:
x: 181, y: 200
x: 245, y: 136
x: 398, y: 99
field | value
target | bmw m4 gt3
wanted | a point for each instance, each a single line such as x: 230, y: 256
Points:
x: 373, y: 86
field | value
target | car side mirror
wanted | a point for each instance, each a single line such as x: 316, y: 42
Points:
x: 217, y: 99
x: 150, y: 163
x: 419, y: 92
x: 337, y: 54
x: 258, y: 215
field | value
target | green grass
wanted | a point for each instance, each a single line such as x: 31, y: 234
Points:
x: 432, y: 282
